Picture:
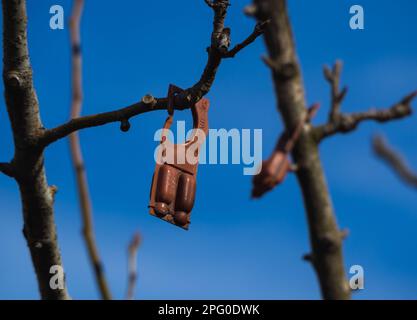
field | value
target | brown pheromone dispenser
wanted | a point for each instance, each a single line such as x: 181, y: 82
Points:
x: 174, y: 180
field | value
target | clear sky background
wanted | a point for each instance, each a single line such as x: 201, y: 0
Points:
x: 236, y: 247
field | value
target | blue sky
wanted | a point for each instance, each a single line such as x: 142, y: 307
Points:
x: 236, y: 248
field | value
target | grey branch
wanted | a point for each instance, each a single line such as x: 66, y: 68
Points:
x: 76, y: 153
x: 344, y: 122
x: 394, y: 160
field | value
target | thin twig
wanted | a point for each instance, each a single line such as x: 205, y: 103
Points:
x: 337, y: 96
x: 132, y: 265
x: 394, y: 160
x: 76, y: 153
x: 258, y: 30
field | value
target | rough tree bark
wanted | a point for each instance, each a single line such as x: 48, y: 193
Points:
x: 27, y: 166
x: 31, y: 138
x: 325, y: 236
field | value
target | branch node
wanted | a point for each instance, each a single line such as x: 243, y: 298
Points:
x: 149, y: 100
x: 125, y: 125
x: 38, y: 245
x: 13, y: 79
x: 329, y: 242
x: 52, y: 192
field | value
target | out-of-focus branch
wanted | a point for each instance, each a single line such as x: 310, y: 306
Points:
x: 76, y: 153
x: 337, y: 95
x: 132, y: 265
x: 326, y: 238
x: 394, y: 160
x: 217, y: 51
x: 343, y: 123
x: 325, y: 235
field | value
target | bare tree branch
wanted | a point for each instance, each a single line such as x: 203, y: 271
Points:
x: 132, y: 265
x: 76, y: 124
x: 218, y: 50
x: 325, y: 236
x: 76, y: 153
x: 394, y: 160
x: 28, y: 168
x: 343, y: 123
